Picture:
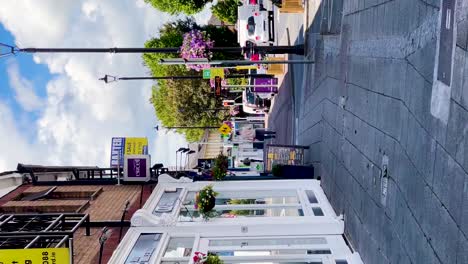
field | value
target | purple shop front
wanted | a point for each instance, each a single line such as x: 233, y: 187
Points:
x: 136, y: 168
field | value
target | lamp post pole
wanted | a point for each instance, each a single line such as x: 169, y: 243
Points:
x: 186, y: 127
x: 109, y: 78
x: 297, y: 49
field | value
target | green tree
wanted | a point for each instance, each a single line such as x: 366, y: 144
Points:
x: 226, y: 11
x: 172, y: 7
x: 185, y: 102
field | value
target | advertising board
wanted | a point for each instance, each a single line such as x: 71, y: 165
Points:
x: 122, y: 146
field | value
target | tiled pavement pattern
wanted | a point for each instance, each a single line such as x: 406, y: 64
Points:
x: 368, y: 100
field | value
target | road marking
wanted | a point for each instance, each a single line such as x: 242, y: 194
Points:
x: 448, y: 18
x: 441, y: 87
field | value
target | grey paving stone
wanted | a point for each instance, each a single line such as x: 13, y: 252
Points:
x: 449, y: 181
x: 397, y: 252
x: 464, y: 210
x: 462, y: 253
x: 457, y: 134
x: 458, y: 74
x: 423, y: 61
x: 426, y: 206
x: 444, y: 237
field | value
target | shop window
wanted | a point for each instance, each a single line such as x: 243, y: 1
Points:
x: 268, y: 242
x: 179, y: 247
x: 317, y: 211
x: 311, y: 196
x: 143, y: 249
x: 250, y: 197
x: 167, y: 201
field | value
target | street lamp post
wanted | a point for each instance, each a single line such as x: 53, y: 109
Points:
x: 109, y: 78
x: 187, y: 158
x: 179, y: 150
x: 185, y: 150
x: 297, y: 49
x: 185, y: 127
x: 178, y: 61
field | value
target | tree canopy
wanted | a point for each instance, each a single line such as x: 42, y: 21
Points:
x: 185, y: 102
x: 226, y: 11
x: 173, y: 7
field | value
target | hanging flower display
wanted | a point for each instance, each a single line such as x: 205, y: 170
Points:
x: 196, y: 44
x: 200, y: 258
x: 205, y: 201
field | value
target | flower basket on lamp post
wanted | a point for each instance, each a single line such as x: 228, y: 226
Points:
x: 196, y: 45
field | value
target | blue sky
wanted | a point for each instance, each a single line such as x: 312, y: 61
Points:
x: 53, y: 109
x: 37, y: 74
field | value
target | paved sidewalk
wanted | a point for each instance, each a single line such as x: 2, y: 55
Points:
x: 388, y: 159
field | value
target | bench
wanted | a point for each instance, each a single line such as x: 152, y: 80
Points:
x: 291, y: 6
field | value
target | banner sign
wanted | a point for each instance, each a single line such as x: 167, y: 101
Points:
x: 35, y: 256
x: 122, y: 146
x: 137, y: 168
x: 266, y: 81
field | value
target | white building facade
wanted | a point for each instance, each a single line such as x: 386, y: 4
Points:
x: 279, y: 221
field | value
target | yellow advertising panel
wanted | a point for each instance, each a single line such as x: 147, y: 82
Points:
x: 216, y: 72
x: 135, y: 146
x: 252, y: 67
x: 35, y: 256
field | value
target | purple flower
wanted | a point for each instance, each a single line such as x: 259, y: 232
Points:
x: 196, y: 44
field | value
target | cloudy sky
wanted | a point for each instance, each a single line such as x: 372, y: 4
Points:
x: 53, y: 110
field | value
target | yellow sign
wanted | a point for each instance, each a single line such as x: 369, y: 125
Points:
x: 135, y: 146
x: 251, y: 67
x: 225, y: 129
x: 35, y: 256
x: 216, y: 72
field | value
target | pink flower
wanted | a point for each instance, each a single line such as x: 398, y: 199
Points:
x: 196, y: 45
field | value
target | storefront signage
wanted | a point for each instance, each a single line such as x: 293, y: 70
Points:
x: 122, y: 146
x: 283, y: 155
x: 136, y: 168
x: 35, y: 256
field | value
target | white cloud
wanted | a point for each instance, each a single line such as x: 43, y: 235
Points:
x: 14, y: 145
x: 24, y: 90
x: 81, y: 114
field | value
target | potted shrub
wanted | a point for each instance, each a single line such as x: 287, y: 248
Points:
x: 220, y: 167
x: 205, y: 201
